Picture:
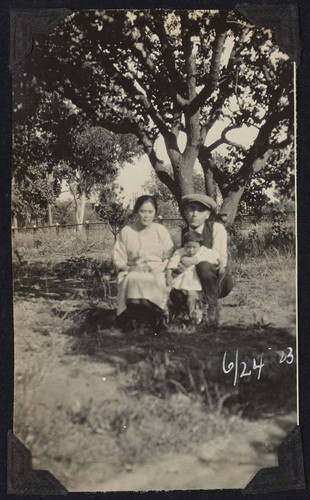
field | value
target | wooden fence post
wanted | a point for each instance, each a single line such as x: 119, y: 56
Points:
x: 87, y: 228
x: 36, y: 242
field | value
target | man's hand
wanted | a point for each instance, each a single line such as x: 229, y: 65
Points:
x: 188, y: 261
x: 221, y: 275
x: 222, y: 270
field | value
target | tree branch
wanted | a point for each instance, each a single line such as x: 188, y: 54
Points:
x: 223, y: 89
x: 139, y: 50
x: 261, y: 150
x: 223, y: 140
x: 191, y: 120
x: 284, y: 143
x: 211, y: 79
x: 167, y: 51
x: 208, y: 163
x: 177, y: 122
x: 122, y: 126
x: 132, y: 91
x: 157, y: 164
x: 190, y: 64
x: 260, y: 162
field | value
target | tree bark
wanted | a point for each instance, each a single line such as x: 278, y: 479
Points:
x: 82, y: 207
x: 80, y: 211
x: 79, y: 205
x: 50, y: 180
x: 183, y: 174
x: 231, y: 203
x: 210, y: 184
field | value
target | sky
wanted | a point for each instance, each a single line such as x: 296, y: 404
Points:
x: 132, y: 176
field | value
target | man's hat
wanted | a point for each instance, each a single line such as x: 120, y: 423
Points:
x: 205, y: 200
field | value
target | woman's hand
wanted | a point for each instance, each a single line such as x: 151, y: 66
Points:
x: 169, y: 278
x: 146, y: 268
x: 141, y: 267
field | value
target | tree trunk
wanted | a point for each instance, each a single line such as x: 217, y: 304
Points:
x: 49, y: 214
x: 28, y: 218
x: 231, y: 203
x: 184, y: 178
x: 213, y: 176
x: 80, y: 210
x: 253, y: 163
x: 50, y: 180
x: 79, y: 205
x: 210, y: 184
x: 183, y: 175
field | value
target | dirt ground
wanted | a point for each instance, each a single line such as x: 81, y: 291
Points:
x: 93, y: 412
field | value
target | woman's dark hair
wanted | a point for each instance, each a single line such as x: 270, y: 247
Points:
x: 143, y: 199
x: 192, y: 236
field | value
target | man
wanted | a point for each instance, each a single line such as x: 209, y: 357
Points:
x: 215, y: 281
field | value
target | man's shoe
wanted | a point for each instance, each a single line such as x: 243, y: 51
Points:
x: 213, y: 316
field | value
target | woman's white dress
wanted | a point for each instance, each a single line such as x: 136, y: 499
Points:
x: 151, y: 245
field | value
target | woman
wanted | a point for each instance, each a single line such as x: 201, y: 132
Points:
x: 141, y: 255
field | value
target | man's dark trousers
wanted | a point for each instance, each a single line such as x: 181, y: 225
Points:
x: 213, y: 287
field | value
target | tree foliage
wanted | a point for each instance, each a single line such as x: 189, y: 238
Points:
x: 171, y: 73
x: 54, y: 144
x: 110, y: 207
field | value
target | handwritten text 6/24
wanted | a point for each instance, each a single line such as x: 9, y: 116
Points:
x: 242, y: 368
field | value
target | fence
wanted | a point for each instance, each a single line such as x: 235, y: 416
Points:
x: 170, y: 222
x: 96, y: 238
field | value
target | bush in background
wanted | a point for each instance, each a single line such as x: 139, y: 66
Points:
x: 267, y: 237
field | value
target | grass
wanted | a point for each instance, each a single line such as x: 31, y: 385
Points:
x: 160, y: 393
x: 47, y: 243
x: 67, y: 429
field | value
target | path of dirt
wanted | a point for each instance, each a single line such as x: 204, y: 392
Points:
x: 225, y: 462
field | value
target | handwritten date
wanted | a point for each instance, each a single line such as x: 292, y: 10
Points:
x: 246, y: 369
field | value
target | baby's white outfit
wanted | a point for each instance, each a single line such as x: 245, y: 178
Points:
x: 188, y: 280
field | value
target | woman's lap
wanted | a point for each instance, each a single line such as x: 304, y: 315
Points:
x: 139, y: 286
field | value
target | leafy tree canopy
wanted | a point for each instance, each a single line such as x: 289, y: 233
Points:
x: 55, y: 144
x: 167, y: 73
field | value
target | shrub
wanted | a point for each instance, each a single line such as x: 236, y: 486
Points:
x: 273, y: 237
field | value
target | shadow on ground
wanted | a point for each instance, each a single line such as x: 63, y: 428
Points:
x: 161, y: 363
x: 78, y: 277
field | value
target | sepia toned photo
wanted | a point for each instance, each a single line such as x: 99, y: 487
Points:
x: 154, y: 250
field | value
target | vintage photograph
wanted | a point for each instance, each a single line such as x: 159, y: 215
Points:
x: 154, y: 249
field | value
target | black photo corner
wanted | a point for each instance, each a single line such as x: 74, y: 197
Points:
x: 291, y: 24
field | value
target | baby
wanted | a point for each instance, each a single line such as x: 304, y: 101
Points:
x: 187, y: 281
